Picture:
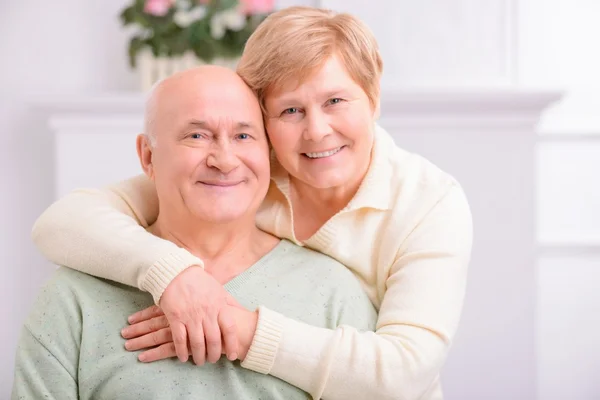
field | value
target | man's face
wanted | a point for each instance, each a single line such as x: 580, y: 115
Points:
x: 211, y: 158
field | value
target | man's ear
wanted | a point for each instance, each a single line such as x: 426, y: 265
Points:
x: 145, y: 151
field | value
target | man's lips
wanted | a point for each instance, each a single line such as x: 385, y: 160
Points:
x: 221, y: 183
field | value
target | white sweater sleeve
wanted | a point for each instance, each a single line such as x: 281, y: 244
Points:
x: 102, y: 232
x: 417, y: 321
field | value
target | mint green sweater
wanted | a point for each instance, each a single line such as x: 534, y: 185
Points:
x: 71, y: 346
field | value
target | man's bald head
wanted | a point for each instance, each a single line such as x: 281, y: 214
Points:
x: 208, y: 83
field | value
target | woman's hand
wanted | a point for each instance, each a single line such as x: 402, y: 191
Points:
x: 151, y: 331
x: 196, y: 308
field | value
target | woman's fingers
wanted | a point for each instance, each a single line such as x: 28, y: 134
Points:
x: 229, y: 333
x: 212, y: 336
x: 180, y: 340
x: 197, y: 343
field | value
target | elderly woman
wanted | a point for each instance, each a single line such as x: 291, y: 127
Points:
x: 339, y: 185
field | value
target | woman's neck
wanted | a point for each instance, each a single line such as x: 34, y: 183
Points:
x: 324, y: 201
x: 313, y: 207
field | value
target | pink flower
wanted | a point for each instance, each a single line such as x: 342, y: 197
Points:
x: 257, y: 6
x: 158, y: 8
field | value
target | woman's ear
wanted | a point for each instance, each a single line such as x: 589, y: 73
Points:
x: 377, y: 110
x: 145, y: 150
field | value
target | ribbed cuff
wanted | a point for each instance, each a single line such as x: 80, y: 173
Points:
x: 262, y: 352
x: 165, y: 269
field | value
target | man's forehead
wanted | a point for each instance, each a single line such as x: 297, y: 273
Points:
x: 218, y: 123
x: 211, y: 110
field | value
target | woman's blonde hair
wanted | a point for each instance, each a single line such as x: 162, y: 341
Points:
x: 292, y: 43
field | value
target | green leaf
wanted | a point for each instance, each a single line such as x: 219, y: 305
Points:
x: 176, y: 42
x: 135, y: 45
x: 222, y: 5
x: 165, y: 38
x: 127, y: 16
x: 198, y: 32
x: 205, y: 51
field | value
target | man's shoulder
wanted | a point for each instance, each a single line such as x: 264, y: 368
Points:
x: 57, y: 301
x: 66, y: 280
x: 330, y: 293
x: 307, y: 261
x: 68, y: 290
x: 305, y: 254
x: 62, y: 284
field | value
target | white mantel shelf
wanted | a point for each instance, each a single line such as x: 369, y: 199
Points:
x: 407, y: 108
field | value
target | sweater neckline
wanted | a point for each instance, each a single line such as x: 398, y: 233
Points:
x: 239, y: 281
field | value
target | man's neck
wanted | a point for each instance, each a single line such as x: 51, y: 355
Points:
x: 226, y: 249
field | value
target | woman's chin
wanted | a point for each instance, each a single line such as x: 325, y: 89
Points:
x: 328, y: 180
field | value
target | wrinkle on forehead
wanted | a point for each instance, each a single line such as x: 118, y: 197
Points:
x: 212, y: 123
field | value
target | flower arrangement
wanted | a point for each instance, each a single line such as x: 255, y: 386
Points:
x: 207, y: 28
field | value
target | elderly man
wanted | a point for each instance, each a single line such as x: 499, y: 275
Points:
x: 206, y: 150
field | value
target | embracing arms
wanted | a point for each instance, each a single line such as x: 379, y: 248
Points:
x: 417, y: 320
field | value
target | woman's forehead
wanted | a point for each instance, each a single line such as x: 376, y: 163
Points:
x: 327, y: 80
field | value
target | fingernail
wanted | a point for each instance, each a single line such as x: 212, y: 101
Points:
x: 142, y: 357
x: 131, y: 319
x: 124, y: 332
x: 233, y: 357
x: 127, y: 345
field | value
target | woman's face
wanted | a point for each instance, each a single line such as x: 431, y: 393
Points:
x: 322, y: 129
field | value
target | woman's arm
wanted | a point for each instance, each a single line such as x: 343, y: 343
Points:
x: 417, y: 321
x: 102, y: 233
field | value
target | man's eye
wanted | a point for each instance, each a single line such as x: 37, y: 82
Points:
x: 196, y: 136
x: 243, y: 136
x: 335, y: 100
x: 291, y: 110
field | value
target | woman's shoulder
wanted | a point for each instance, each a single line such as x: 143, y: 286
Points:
x: 415, y: 182
x: 410, y: 166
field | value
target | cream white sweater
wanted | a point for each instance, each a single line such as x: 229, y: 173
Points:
x: 406, y: 235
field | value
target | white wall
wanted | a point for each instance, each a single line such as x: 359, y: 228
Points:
x: 440, y: 43
x: 61, y: 47
x: 559, y: 47
x: 75, y: 46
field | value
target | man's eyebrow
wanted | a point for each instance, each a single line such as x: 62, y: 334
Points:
x: 195, y: 123
x: 245, y: 125
x: 192, y: 124
x: 198, y: 124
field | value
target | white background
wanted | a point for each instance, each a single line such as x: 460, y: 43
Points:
x: 73, y: 48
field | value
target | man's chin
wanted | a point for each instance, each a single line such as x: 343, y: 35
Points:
x: 222, y: 216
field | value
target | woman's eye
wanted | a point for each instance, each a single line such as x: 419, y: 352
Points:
x: 335, y: 100
x: 243, y: 136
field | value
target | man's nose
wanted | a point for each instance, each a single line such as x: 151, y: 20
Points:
x: 223, y: 158
x: 317, y: 126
